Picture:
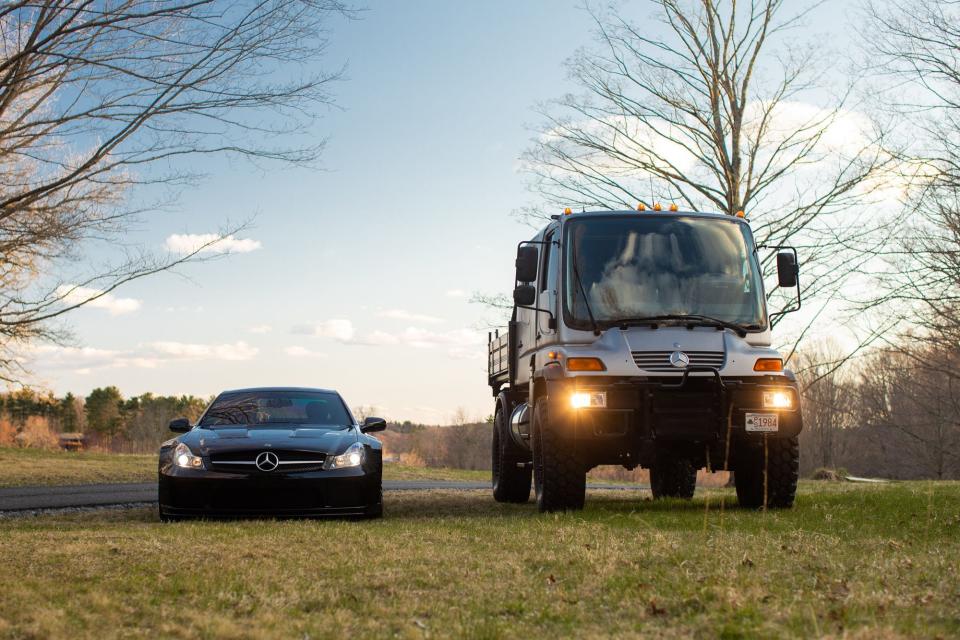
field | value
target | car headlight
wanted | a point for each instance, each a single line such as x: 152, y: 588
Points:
x: 352, y: 457
x: 183, y: 457
x: 778, y: 399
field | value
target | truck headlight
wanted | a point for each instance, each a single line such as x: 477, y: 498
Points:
x: 183, y: 457
x: 589, y: 400
x: 778, y: 399
x: 352, y: 457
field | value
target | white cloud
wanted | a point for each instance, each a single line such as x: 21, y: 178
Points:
x: 456, y: 293
x: 400, y: 314
x: 376, y: 338
x: 144, y: 356
x: 460, y: 343
x: 260, y: 329
x: 337, y: 328
x: 297, y: 351
x: 115, y: 306
x: 185, y: 351
x: 185, y: 243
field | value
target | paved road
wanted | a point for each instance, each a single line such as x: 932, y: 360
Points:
x: 94, y: 495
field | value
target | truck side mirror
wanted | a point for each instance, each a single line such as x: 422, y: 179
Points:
x: 787, y: 268
x: 180, y: 425
x: 524, y: 295
x: 526, y: 264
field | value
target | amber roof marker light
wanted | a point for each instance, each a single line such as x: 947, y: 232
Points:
x: 674, y: 207
x: 741, y: 214
x: 567, y: 211
x: 657, y: 206
x: 641, y: 207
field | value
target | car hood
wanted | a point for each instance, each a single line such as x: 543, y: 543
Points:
x: 223, y: 439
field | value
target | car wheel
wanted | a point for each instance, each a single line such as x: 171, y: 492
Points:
x: 510, y: 469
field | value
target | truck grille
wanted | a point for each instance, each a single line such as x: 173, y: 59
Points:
x: 660, y: 360
x: 289, y: 461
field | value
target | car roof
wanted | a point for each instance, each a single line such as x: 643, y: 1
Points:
x: 255, y: 389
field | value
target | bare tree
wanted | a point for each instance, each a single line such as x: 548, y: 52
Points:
x: 709, y: 108
x: 915, y: 47
x: 829, y: 405
x: 99, y: 97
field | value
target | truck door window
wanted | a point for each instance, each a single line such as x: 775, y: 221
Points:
x: 547, y: 260
x: 552, y: 270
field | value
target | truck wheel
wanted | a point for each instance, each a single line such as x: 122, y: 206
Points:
x: 782, y: 473
x: 673, y: 477
x: 558, y: 476
x: 511, y: 483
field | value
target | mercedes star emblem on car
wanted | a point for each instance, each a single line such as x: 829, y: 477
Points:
x: 267, y: 461
x: 679, y: 359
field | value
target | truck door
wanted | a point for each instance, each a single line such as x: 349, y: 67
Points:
x: 547, y: 287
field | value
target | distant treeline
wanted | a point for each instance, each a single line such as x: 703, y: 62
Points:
x: 893, y: 413
x: 105, y: 417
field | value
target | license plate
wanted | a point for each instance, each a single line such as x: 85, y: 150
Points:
x: 763, y: 422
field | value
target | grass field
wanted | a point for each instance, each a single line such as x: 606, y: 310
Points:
x: 849, y: 561
x: 21, y: 467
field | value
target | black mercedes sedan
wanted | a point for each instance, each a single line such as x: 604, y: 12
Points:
x: 274, y: 451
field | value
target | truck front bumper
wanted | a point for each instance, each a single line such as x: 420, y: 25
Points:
x: 702, y: 410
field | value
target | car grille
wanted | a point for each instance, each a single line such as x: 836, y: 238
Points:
x: 660, y: 360
x: 289, y: 461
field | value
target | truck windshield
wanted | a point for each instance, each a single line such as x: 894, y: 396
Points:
x: 637, y: 267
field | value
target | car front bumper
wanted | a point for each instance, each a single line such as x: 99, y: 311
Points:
x: 203, y: 493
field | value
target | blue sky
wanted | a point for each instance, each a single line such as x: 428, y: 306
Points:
x: 364, y: 269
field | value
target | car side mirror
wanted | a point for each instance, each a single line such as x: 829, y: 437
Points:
x: 180, y: 425
x: 373, y: 424
x: 524, y: 295
x: 787, y: 268
x: 526, y: 263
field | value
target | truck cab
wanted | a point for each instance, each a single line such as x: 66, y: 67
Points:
x: 643, y: 338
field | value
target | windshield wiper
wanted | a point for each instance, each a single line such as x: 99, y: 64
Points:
x: 692, y: 319
x: 586, y: 303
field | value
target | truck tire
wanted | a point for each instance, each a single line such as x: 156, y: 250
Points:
x: 559, y: 477
x: 511, y: 483
x: 673, y: 476
x: 782, y: 473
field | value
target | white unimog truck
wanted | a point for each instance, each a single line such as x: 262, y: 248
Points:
x: 642, y: 338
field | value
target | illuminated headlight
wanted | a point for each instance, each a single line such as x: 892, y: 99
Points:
x: 589, y: 400
x: 352, y: 457
x: 778, y: 399
x: 183, y: 457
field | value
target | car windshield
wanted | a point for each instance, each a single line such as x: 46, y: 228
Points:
x: 264, y: 408
x: 638, y: 267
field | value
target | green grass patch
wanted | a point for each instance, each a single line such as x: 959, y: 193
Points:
x: 849, y: 561
x: 22, y: 467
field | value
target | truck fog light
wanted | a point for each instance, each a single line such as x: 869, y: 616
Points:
x: 777, y: 399
x: 589, y: 400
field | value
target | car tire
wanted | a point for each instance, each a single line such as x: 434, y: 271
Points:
x: 782, y: 471
x: 673, y: 476
x: 511, y: 473
x: 560, y: 479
